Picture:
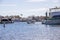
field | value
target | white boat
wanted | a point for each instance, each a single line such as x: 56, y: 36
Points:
x: 54, y: 15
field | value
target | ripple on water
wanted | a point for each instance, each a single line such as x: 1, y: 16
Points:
x: 24, y: 31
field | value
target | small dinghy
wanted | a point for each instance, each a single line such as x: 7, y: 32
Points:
x: 31, y: 21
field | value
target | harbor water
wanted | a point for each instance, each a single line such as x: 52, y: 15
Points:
x: 24, y: 31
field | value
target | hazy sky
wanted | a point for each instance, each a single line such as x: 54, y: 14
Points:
x: 26, y: 7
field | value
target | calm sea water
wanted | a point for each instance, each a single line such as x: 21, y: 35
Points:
x: 24, y: 31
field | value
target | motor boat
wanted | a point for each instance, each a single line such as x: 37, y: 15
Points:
x: 6, y: 20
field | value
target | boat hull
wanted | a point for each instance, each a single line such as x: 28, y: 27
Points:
x: 6, y: 22
x: 51, y: 22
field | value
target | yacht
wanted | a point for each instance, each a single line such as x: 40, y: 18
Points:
x: 54, y: 16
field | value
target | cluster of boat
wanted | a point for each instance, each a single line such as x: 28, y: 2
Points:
x: 9, y: 20
x: 54, y: 18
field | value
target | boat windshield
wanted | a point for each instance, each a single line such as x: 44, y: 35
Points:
x: 4, y: 20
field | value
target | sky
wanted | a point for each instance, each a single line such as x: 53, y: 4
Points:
x: 26, y: 7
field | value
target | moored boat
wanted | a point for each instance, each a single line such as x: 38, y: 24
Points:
x: 6, y: 20
x: 31, y: 21
x: 54, y: 17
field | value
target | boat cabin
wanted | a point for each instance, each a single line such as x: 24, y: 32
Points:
x: 54, y: 12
